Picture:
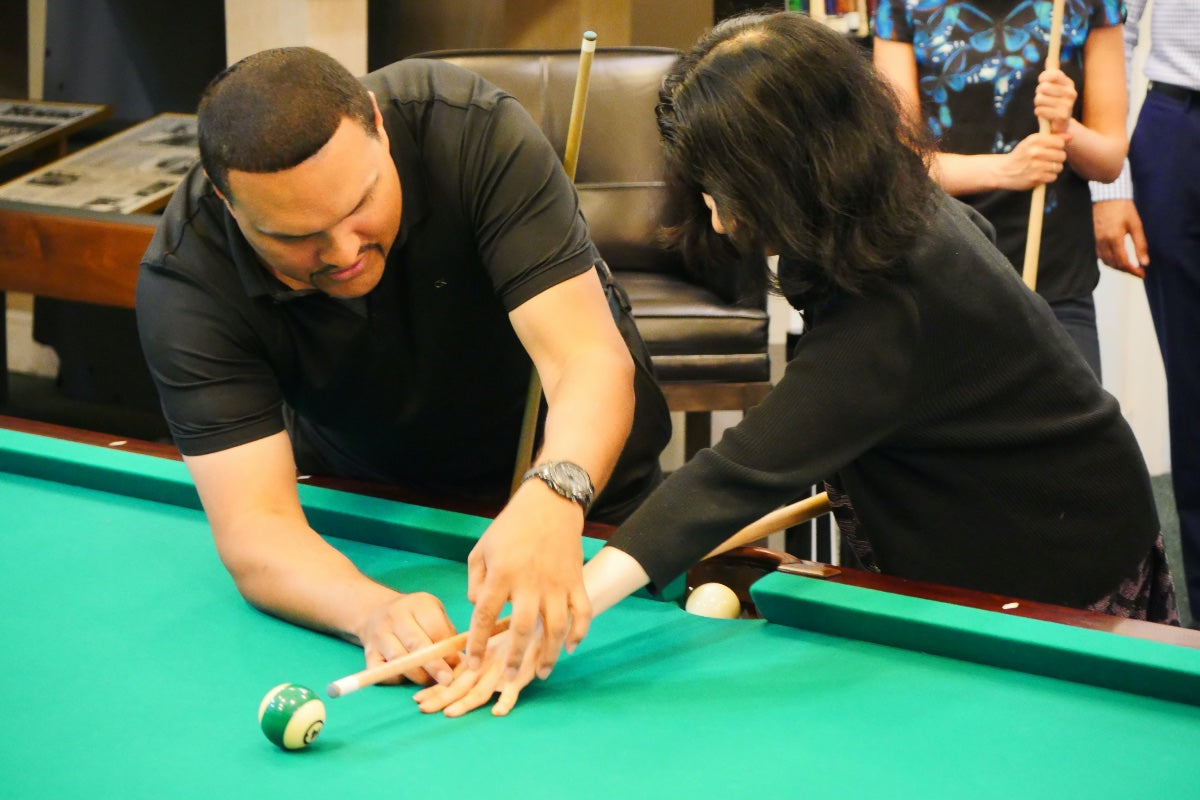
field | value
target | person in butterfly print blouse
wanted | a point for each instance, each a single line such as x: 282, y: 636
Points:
x: 973, y: 74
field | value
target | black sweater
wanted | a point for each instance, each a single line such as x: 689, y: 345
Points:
x: 974, y: 442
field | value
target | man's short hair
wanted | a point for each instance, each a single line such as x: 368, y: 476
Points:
x: 275, y: 109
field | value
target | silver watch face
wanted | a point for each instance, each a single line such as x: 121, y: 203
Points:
x: 569, y: 480
x: 569, y: 476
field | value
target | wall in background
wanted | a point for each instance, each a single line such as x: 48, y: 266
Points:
x: 336, y: 27
x: 1129, y: 355
x: 396, y: 30
x: 14, y: 53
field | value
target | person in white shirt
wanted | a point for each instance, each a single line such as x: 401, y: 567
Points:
x: 1156, y: 203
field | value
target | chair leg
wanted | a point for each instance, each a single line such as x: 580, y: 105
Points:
x: 697, y: 432
x: 3, y: 347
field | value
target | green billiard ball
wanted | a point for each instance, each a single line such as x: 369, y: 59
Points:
x: 291, y: 716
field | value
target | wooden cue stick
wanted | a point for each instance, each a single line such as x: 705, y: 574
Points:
x: 391, y: 669
x: 781, y: 518
x: 777, y: 520
x: 587, y: 51
x: 533, y: 397
x: 1037, y: 207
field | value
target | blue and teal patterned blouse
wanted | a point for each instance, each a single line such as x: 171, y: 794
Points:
x: 977, y: 66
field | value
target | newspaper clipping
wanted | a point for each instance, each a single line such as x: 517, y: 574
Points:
x: 133, y: 171
x: 24, y: 122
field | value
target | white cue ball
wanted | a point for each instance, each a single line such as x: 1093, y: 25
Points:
x: 714, y: 600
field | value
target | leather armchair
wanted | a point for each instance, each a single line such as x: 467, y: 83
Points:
x: 708, y: 355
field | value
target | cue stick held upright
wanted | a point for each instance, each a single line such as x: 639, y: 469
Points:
x: 533, y: 397
x: 1037, y: 207
x: 781, y: 518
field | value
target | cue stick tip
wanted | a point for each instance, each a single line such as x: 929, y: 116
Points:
x: 589, y: 35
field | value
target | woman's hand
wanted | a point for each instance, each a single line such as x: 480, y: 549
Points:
x: 1054, y: 100
x: 472, y: 688
x: 1037, y: 159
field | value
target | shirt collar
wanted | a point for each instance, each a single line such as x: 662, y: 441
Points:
x: 414, y: 188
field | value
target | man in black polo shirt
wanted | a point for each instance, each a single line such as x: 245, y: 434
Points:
x: 375, y: 271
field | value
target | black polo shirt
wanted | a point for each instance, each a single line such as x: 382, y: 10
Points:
x: 422, y: 381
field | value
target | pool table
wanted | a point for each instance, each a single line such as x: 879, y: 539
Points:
x: 131, y: 668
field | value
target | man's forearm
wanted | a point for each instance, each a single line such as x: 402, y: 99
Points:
x: 304, y: 580
x: 590, y: 414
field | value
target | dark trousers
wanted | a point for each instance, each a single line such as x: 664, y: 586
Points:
x: 1077, y: 316
x: 1164, y: 156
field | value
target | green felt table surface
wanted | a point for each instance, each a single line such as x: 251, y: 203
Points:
x: 131, y: 668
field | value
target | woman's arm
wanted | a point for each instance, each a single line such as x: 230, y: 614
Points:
x: 1097, y: 143
x: 1037, y: 159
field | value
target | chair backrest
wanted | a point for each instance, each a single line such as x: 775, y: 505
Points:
x: 620, y: 169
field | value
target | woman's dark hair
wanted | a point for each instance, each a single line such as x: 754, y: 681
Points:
x: 786, y: 125
x: 274, y: 109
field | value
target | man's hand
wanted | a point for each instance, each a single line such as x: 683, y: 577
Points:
x: 609, y: 577
x: 404, y: 624
x: 1113, y: 220
x: 531, y: 556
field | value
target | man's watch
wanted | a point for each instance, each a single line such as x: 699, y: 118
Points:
x: 569, y: 480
